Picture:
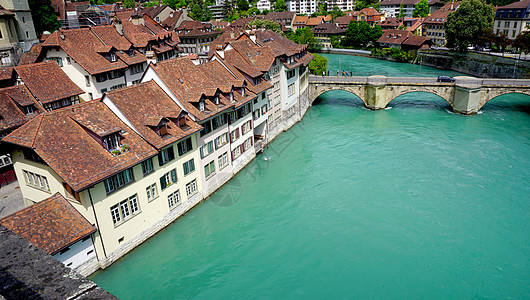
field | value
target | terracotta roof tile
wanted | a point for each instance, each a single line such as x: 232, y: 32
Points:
x: 51, y: 224
x: 440, y: 16
x: 110, y: 37
x: 82, y: 45
x: 145, y: 106
x: 394, y: 36
x: 47, y: 81
x: 12, y: 101
x: 76, y: 155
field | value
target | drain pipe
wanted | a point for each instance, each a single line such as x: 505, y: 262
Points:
x: 97, y: 224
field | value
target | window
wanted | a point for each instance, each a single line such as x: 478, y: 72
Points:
x: 151, y: 192
x: 221, y: 140
x: 264, y: 109
x: 291, y: 89
x: 246, y: 127
x: 118, y: 86
x: 173, y: 199
x: 101, y: 77
x: 236, y: 152
x: 256, y: 114
x: 166, y: 155
x: 118, y: 181
x: 90, y: 97
x: 168, y: 179
x: 222, y: 160
x: 29, y: 109
x: 191, y: 188
x: 138, y: 68
x: 206, y: 149
x: 113, y: 57
x: 234, y: 135
x: 36, y: 181
x: 87, y: 81
x: 189, y: 166
x: 58, y: 60
x: 291, y: 74
x: 112, y: 142
x: 248, y: 144
x: 207, y: 128
x: 209, y: 169
x: 147, y: 166
x: 124, y: 210
x: 185, y: 146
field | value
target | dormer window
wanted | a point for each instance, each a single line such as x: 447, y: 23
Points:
x: 113, y: 57
x: 29, y: 109
x: 231, y: 96
x: 243, y: 90
x: 112, y: 142
x: 216, y: 99
x: 182, y: 122
x: 201, y: 105
x: 131, y: 52
x: 162, y: 129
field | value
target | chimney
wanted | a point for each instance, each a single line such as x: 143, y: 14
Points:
x: 119, y: 26
x: 171, y: 14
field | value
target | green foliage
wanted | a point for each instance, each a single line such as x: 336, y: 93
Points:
x: 360, y: 34
x: 305, y: 36
x: 242, y: 5
x: 469, y: 21
x: 335, y: 41
x: 395, y: 53
x: 43, y: 14
x: 200, y: 11
x: 280, y: 5
x: 265, y: 11
x: 522, y: 42
x: 318, y: 65
x: 421, y: 9
x: 401, y: 11
x: 267, y: 24
x: 360, y: 4
x: 336, y: 12
x: 128, y: 3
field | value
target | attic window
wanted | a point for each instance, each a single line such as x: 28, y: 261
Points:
x: 216, y: 99
x: 29, y: 109
x: 231, y: 96
x: 113, y: 57
x: 182, y: 122
x: 162, y: 129
x: 131, y: 52
x: 201, y: 105
x: 112, y: 142
x: 180, y: 80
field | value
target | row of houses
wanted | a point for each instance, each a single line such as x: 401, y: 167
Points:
x: 101, y: 176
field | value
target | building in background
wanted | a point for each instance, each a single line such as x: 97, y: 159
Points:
x: 434, y: 25
x: 512, y: 19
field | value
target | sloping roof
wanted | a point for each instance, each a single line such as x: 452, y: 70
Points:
x: 145, y: 105
x: 63, y: 139
x: 124, y: 14
x: 195, y: 29
x: 153, y: 11
x: 344, y: 20
x: 6, y: 73
x: 280, y: 15
x: 315, y: 21
x: 516, y: 5
x: 171, y: 21
x: 417, y: 41
x: 392, y: 23
x: 32, y: 55
x: 189, y: 83
x: 300, y: 20
x: 241, y: 23
x: 440, y: 16
x: 261, y: 58
x: 51, y: 224
x: 328, y: 28
x: 394, y: 36
x: 12, y: 99
x: 84, y: 47
x: 47, y: 81
x: 369, y: 11
x: 109, y: 36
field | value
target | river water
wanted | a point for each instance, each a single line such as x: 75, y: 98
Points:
x: 408, y: 202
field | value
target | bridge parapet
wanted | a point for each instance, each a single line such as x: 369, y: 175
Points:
x: 466, y: 95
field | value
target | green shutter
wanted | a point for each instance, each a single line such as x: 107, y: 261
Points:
x: 192, y: 165
x: 186, y: 168
x: 174, y: 175
x: 163, y: 182
x: 171, y: 153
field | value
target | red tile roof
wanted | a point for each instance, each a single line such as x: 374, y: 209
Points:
x: 440, y: 16
x: 196, y: 29
x: 47, y: 81
x: 394, y: 36
x: 145, y: 105
x: 75, y: 154
x: 12, y: 99
x: 84, y: 47
x: 51, y: 224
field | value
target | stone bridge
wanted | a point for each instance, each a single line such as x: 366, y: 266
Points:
x: 466, y: 95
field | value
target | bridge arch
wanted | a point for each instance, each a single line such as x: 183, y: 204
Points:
x: 320, y: 90
x: 446, y: 94
x: 491, y: 94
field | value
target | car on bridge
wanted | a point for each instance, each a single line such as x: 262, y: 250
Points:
x: 444, y: 78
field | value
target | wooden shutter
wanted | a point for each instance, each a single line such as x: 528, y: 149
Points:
x: 174, y: 175
x: 170, y: 153
x: 163, y: 182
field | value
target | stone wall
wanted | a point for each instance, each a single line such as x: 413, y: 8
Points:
x: 475, y: 64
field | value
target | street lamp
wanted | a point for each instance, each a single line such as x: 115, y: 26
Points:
x: 514, y: 67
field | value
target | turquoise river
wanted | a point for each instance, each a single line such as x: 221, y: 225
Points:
x: 409, y: 202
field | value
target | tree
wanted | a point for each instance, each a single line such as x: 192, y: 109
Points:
x: 318, y: 65
x: 43, y: 15
x: 336, y: 12
x: 522, y: 42
x: 280, y: 5
x: 306, y: 36
x: 128, y: 3
x: 421, y: 9
x: 267, y: 24
x: 242, y: 5
x: 401, y: 11
x: 360, y: 34
x: 502, y: 41
x: 469, y: 21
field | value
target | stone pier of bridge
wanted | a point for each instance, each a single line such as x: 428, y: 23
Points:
x: 466, y: 95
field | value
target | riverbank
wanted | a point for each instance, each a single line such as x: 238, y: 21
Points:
x: 472, y: 63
